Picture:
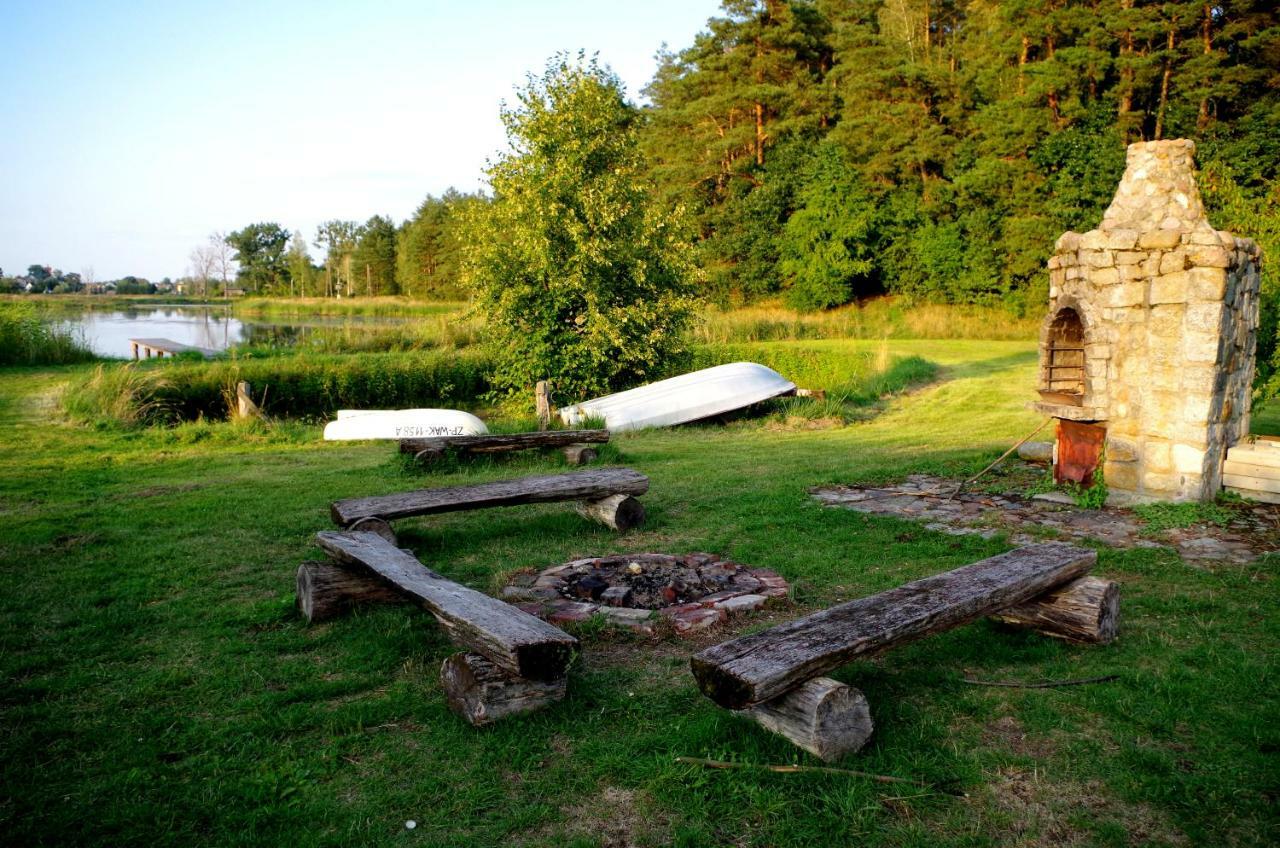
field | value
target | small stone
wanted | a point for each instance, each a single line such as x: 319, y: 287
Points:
x: 568, y: 611
x: 692, y: 621
x: 742, y: 603
x: 1159, y: 239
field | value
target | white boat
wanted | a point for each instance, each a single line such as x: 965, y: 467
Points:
x: 679, y: 400
x: 402, y: 424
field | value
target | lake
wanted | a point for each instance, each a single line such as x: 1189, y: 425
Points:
x: 107, y: 331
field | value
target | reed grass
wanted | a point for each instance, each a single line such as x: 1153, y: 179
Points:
x: 27, y: 340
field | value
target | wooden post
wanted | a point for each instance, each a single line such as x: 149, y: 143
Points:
x: 542, y: 400
x: 825, y: 717
x: 245, y: 407
x: 621, y: 512
x: 134, y: 345
x: 1085, y: 610
x: 482, y: 693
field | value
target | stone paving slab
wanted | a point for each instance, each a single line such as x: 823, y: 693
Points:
x: 1254, y: 531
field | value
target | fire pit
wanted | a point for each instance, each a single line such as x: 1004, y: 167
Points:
x: 636, y: 591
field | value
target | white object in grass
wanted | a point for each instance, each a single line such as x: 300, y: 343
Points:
x: 679, y: 400
x: 402, y: 424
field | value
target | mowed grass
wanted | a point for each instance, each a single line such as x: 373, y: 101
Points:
x: 160, y: 688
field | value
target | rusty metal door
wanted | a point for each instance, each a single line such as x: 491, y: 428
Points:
x: 1079, y: 450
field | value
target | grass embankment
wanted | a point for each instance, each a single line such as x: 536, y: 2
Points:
x: 160, y: 688
x: 26, y: 340
x: 363, y: 306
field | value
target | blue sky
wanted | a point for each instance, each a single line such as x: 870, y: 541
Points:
x: 133, y: 130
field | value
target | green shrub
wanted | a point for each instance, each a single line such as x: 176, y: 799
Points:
x: 310, y: 386
x: 26, y: 340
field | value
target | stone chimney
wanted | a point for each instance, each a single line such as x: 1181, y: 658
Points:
x: 1147, y: 353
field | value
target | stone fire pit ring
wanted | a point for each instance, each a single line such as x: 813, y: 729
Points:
x: 637, y: 591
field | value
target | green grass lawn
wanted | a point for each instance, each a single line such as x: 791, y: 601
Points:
x: 160, y: 689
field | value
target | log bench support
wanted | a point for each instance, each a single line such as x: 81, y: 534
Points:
x: 575, y: 445
x: 480, y: 692
x: 774, y: 677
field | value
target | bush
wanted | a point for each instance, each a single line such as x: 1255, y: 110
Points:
x: 26, y: 340
x: 311, y: 387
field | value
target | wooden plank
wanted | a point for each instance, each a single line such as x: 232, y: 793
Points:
x: 511, y: 638
x: 503, y: 442
x: 1253, y: 469
x: 1257, y: 484
x: 591, y: 485
x: 1262, y: 497
x: 761, y: 666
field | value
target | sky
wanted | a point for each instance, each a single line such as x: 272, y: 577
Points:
x: 130, y: 131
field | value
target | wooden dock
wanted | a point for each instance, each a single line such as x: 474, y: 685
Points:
x: 148, y: 348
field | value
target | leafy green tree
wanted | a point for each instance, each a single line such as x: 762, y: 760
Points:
x: 580, y: 276
x: 260, y: 251
x: 428, y: 249
x: 339, y: 239
x: 302, y: 275
x: 373, y: 261
x: 828, y: 245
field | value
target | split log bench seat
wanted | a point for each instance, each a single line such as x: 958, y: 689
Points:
x: 607, y: 495
x: 575, y: 444
x: 512, y: 661
x: 775, y: 676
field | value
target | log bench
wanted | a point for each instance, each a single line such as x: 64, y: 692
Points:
x: 607, y: 495
x: 775, y: 677
x: 574, y: 444
x: 512, y: 662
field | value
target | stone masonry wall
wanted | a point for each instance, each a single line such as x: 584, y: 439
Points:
x: 1170, y: 313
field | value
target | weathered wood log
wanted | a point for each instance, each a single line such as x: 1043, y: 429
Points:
x: 580, y: 454
x: 621, y: 512
x: 825, y: 717
x: 513, y: 639
x: 761, y: 666
x: 375, y: 525
x: 326, y: 590
x: 1084, y: 610
x: 592, y: 484
x: 482, y: 693
x: 504, y: 442
x: 542, y: 403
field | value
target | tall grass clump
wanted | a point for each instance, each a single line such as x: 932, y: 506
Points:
x: 26, y: 340
x: 884, y: 317
x: 390, y: 306
x: 118, y: 395
x: 306, y: 387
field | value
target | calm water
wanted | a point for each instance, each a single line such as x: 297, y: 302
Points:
x: 107, y: 331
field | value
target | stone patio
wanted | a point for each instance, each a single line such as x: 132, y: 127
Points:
x: 1253, y: 531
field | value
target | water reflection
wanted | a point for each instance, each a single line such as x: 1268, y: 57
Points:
x: 107, y: 331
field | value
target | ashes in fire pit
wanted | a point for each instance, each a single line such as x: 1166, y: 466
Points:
x: 694, y: 591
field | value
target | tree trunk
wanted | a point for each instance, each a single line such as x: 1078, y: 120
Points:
x: 326, y: 590
x: 522, y: 644
x: 762, y: 666
x: 1164, y: 84
x: 482, y: 693
x: 1085, y: 610
x: 825, y: 717
x: 1206, y: 38
x: 621, y: 512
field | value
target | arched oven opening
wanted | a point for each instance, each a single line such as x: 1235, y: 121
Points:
x: 1063, y: 374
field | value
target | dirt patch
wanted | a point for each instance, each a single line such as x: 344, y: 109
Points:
x: 157, y: 491
x: 614, y: 818
x: 1039, y: 812
x: 1008, y: 734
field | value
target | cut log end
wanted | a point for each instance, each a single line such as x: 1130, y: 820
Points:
x: 328, y: 589
x: 374, y: 525
x: 482, y: 693
x: 621, y: 512
x: 825, y: 717
x: 580, y: 454
x: 1084, y: 610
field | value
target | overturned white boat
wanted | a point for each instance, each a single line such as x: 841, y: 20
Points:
x: 679, y: 400
x: 402, y: 424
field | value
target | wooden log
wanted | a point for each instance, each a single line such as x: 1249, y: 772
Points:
x: 592, y: 484
x: 542, y: 403
x: 580, y: 454
x: 326, y: 590
x: 762, y: 666
x: 483, y: 693
x: 513, y: 639
x: 621, y: 512
x: 375, y: 525
x: 1084, y: 610
x: 505, y: 442
x: 825, y: 717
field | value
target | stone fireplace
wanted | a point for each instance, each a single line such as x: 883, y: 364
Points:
x: 1147, y: 353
